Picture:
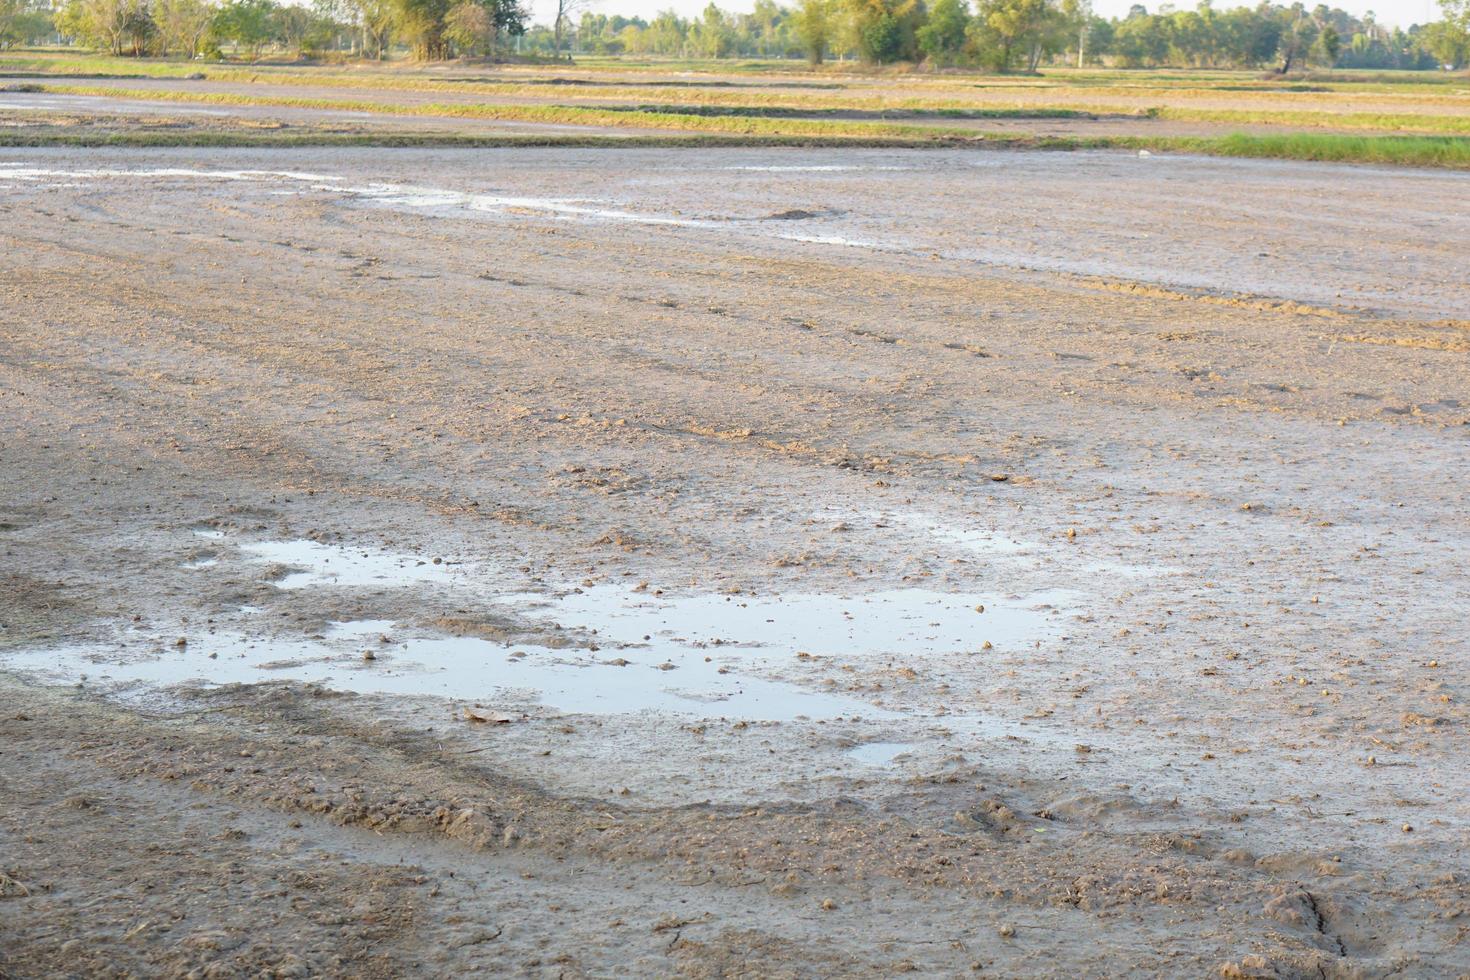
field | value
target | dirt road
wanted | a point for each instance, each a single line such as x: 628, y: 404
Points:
x: 731, y: 563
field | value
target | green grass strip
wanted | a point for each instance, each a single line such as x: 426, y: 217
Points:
x: 1406, y: 151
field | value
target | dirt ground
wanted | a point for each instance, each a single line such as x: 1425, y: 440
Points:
x: 753, y: 563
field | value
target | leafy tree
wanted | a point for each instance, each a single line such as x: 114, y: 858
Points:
x: 1298, y: 34
x: 246, y: 23
x: 468, y: 26
x: 10, y: 11
x: 884, y: 29
x: 1449, y: 39
x: 1328, y: 47
x: 942, y: 38
x: 300, y: 29
x: 1010, y: 28
x: 814, y: 28
x: 372, y: 20
x: 1141, y: 40
x: 183, y: 25
x: 117, y: 26
x: 421, y: 23
x: 713, y: 34
x: 765, y: 21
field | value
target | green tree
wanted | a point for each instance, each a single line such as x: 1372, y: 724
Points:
x: 714, y: 36
x: 183, y: 25
x: 300, y: 29
x: 943, y: 36
x: 1298, y: 34
x: 117, y: 26
x: 883, y: 30
x: 1328, y: 47
x: 246, y: 23
x: 421, y: 23
x: 814, y: 28
x: 1012, y: 30
x: 10, y: 11
x: 1141, y: 40
x: 1448, y: 39
x: 765, y: 20
x: 468, y: 27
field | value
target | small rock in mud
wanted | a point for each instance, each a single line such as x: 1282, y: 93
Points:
x: 486, y: 717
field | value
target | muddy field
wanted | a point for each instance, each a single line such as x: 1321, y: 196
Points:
x: 52, y: 99
x: 731, y: 563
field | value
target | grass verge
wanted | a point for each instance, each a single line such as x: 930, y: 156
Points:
x: 1403, y: 151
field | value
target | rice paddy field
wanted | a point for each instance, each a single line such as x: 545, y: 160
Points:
x: 1412, y: 118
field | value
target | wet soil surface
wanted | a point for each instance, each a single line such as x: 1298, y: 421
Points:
x: 731, y: 563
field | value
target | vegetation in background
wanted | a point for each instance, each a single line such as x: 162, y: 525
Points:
x: 1448, y: 39
x: 1001, y: 35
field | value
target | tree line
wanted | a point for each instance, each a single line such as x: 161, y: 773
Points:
x: 998, y: 35
x: 425, y: 29
x: 1023, y: 35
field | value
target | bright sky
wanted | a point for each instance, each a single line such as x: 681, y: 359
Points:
x: 1391, y: 12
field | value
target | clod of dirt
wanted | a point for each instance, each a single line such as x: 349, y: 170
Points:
x: 486, y: 717
x: 1249, y: 966
x: 12, y: 888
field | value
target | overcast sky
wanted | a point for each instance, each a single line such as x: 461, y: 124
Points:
x: 1400, y: 12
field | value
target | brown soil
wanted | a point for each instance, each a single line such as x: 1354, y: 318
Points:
x: 1229, y: 401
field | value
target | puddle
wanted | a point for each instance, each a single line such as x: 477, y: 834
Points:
x: 661, y: 679
x: 878, y: 753
x: 613, y: 649
x: 314, y: 563
x: 703, y: 656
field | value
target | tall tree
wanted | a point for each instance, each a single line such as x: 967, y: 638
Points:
x: 814, y: 28
x: 884, y: 29
x: 10, y: 10
x: 1298, y: 33
x: 943, y: 36
x: 118, y: 26
x: 1448, y: 39
x: 245, y: 22
x: 566, y: 10
x: 183, y: 25
x: 1014, y: 29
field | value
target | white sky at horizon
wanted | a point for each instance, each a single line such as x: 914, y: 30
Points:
x: 1400, y: 13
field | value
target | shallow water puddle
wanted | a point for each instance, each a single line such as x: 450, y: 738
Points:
x: 575, y: 681
x: 769, y: 658
x: 878, y: 753
x: 313, y: 563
